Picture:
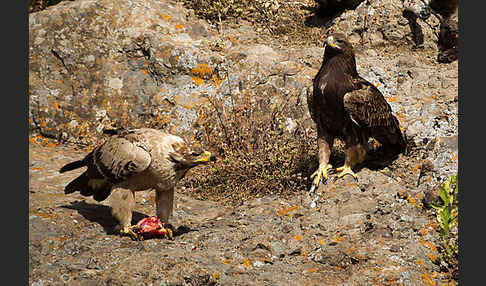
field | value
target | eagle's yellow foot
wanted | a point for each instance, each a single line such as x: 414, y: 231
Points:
x: 346, y: 170
x: 320, y: 173
x: 170, y: 233
x: 131, y: 231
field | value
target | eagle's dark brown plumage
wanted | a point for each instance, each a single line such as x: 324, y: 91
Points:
x: 346, y: 106
x: 445, y: 8
x: 448, y: 41
x: 446, y: 12
x: 135, y: 160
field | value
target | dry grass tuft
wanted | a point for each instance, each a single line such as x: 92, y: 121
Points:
x: 257, y: 155
x: 288, y: 21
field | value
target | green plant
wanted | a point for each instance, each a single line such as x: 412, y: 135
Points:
x: 447, y: 214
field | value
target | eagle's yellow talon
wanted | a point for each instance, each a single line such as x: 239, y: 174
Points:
x: 130, y: 232
x: 321, y: 172
x: 170, y: 233
x: 346, y: 170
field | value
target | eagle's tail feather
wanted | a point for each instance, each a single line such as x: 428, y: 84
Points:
x: 99, y: 189
x: 80, y: 184
x: 72, y: 166
x: 392, y: 140
x: 394, y: 143
x: 102, y: 193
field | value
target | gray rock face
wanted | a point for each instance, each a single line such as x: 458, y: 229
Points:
x: 95, y: 64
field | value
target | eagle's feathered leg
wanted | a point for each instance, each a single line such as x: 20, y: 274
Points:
x: 354, y: 154
x: 122, y: 204
x: 324, y: 142
x: 164, y: 201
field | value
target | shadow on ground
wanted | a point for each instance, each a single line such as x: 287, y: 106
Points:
x: 100, y: 214
x: 324, y: 13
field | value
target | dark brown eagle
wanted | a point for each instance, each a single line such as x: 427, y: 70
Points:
x: 135, y: 160
x: 346, y: 106
x: 448, y: 42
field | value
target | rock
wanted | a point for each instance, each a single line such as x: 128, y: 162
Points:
x: 432, y: 195
x: 330, y: 255
x: 154, y: 71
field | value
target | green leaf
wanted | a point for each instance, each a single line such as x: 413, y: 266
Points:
x: 444, y: 193
x: 436, y: 206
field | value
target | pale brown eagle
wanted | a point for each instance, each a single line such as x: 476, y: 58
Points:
x: 135, y: 160
x: 346, y: 106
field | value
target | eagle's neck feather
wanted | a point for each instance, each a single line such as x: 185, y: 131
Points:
x: 345, y: 63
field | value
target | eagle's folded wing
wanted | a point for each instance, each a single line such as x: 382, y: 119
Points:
x: 368, y: 108
x: 118, y: 159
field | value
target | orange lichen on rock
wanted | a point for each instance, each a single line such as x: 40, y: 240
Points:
x: 416, y: 168
x: 431, y: 246
x: 202, y: 70
x: 286, y: 211
x: 432, y: 256
x: 312, y: 270
x: 197, y: 81
x: 338, y: 239
x: 427, y: 279
x: 419, y: 262
x: 401, y: 116
x: 165, y: 17
x: 247, y: 263
x: 423, y: 232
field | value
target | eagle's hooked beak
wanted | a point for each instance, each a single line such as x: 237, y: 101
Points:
x: 207, y: 157
x: 330, y: 42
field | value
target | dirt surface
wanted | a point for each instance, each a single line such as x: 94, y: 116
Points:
x: 370, y: 232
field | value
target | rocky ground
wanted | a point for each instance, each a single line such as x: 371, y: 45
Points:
x: 370, y: 232
x: 374, y: 231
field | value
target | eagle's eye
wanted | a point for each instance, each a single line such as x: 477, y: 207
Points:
x: 195, y: 154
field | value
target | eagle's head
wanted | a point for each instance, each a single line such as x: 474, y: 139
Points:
x: 337, y: 43
x: 339, y: 53
x: 186, y: 157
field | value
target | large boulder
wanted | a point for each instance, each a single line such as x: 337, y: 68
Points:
x: 97, y: 64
